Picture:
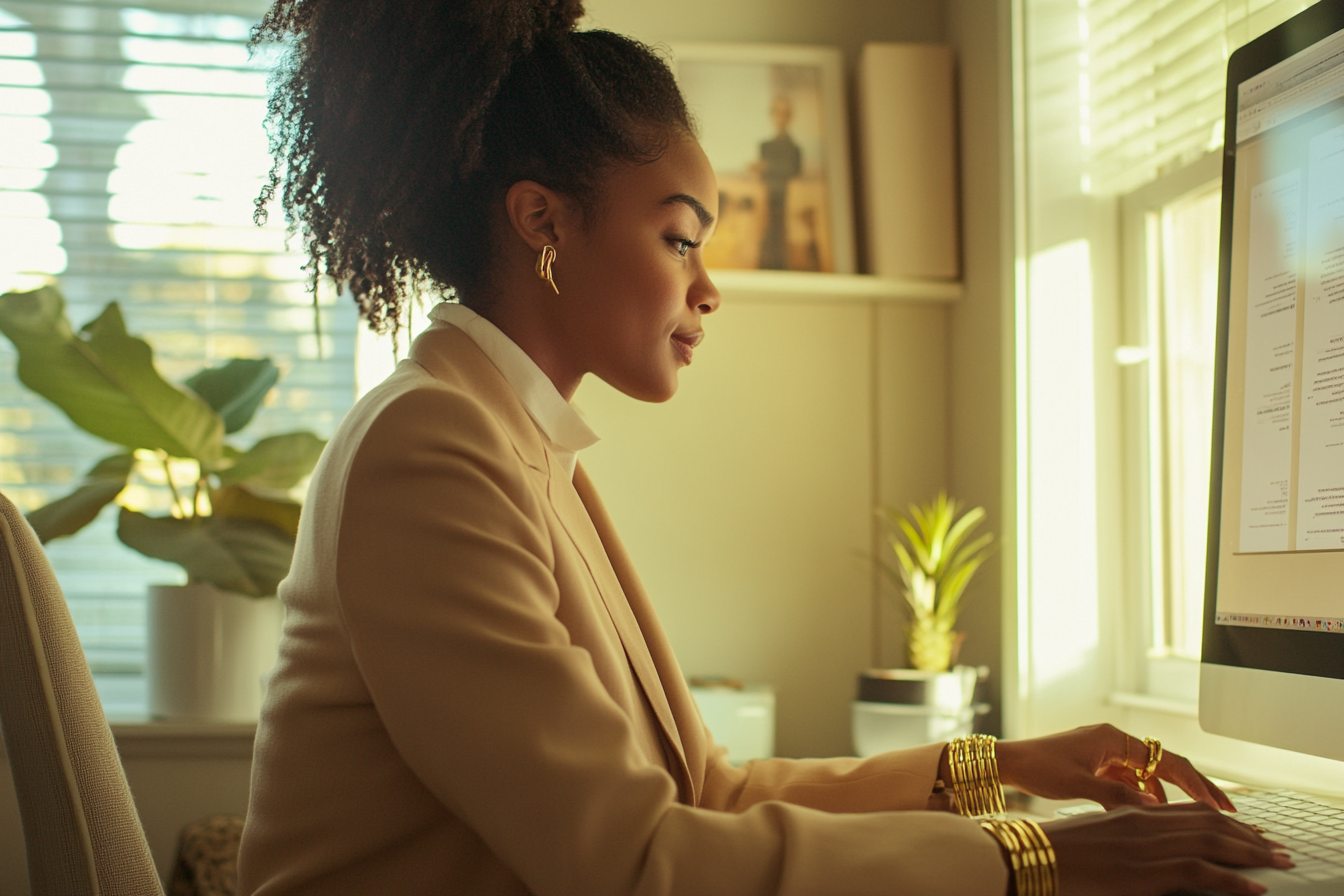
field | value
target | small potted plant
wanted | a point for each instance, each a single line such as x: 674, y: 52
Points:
x: 936, y: 559
x: 233, y: 519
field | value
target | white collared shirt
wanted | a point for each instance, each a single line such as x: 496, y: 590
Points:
x: 556, y: 418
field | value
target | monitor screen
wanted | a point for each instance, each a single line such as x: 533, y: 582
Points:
x: 1275, y: 586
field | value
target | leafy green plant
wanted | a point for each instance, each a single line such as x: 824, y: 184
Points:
x: 233, y: 523
x: 934, y: 571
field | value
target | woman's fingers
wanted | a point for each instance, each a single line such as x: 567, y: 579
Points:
x: 1215, y: 846
x: 1178, y: 770
x: 1089, y: 763
x: 1171, y: 819
x: 1197, y: 874
x: 1113, y: 789
x: 1131, y: 754
x: 1147, y: 852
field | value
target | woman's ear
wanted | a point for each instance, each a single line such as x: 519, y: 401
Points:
x: 537, y: 214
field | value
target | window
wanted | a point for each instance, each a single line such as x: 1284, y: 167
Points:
x: 131, y: 147
x: 1184, y: 248
x: 1170, y: 228
x: 1117, y: 128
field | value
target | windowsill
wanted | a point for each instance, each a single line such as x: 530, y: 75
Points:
x: 1165, y: 705
x: 139, y: 739
x: 150, y: 739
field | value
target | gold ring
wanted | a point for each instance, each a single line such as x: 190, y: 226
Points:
x: 1154, y: 759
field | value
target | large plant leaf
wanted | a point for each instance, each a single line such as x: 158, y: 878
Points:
x: 243, y: 556
x: 236, y: 389
x: 66, y: 516
x: 238, y: 503
x: 275, y: 463
x: 105, y: 381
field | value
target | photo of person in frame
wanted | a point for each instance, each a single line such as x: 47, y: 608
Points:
x: 762, y: 126
x: 781, y: 161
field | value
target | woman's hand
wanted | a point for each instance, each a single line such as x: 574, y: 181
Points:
x: 1148, y: 852
x: 1098, y: 763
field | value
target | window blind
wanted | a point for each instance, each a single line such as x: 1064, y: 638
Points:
x: 131, y: 148
x: 1153, y: 75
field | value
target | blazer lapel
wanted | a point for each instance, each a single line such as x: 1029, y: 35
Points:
x: 582, y: 515
x: 452, y: 356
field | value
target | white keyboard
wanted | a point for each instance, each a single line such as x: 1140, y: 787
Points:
x: 1312, y: 831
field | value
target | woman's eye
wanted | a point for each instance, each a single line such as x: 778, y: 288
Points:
x: 683, y: 246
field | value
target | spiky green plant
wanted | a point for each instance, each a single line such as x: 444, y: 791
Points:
x: 934, y: 571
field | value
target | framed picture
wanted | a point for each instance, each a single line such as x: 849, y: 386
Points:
x: 772, y: 121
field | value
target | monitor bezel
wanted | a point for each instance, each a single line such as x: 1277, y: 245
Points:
x: 1319, y: 654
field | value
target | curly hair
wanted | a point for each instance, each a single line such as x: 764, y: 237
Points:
x: 397, y: 126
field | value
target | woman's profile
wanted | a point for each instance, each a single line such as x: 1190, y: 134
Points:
x: 474, y: 694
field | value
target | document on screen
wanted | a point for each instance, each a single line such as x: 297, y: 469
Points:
x: 1320, y: 464
x: 1271, y: 344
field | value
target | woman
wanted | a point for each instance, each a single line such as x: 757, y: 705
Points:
x: 474, y: 694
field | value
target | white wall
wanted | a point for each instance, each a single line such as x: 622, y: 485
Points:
x: 795, y: 421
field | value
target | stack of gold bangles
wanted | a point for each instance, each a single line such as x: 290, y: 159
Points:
x: 975, y: 775
x: 1033, y: 858
x: 975, y: 779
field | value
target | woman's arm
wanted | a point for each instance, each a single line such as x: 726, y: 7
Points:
x: 901, y: 780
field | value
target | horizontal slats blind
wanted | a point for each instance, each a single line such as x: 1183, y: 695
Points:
x: 131, y: 147
x: 1153, y: 79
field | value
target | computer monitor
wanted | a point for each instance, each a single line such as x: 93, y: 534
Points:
x: 1272, y: 667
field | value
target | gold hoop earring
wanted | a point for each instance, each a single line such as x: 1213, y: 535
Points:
x: 544, y: 262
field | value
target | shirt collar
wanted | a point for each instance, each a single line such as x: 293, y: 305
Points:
x: 554, y: 416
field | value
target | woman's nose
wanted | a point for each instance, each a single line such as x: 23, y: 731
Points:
x: 704, y: 294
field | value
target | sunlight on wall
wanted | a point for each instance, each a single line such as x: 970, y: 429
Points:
x: 1061, y: 415
x: 30, y: 241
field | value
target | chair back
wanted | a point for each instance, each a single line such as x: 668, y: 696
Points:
x: 80, y: 826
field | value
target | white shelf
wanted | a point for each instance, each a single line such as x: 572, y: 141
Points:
x: 808, y: 286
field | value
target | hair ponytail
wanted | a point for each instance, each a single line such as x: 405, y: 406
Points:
x: 397, y: 125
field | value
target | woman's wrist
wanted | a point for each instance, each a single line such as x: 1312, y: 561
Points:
x: 945, y: 766
x: 1007, y: 857
x: 1009, y: 755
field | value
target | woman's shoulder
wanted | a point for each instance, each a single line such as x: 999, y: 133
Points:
x: 445, y: 397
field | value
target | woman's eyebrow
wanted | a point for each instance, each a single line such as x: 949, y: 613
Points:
x: 706, y: 219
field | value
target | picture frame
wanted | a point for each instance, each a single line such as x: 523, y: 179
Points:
x: 772, y: 119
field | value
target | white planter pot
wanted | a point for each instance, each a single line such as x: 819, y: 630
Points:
x: 901, y: 708
x: 209, y: 652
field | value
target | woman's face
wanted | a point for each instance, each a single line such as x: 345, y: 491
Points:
x: 633, y: 279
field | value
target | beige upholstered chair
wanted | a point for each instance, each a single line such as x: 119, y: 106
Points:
x: 79, y: 824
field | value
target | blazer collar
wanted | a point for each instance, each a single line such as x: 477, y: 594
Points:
x: 451, y: 356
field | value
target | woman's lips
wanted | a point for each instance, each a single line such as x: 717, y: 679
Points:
x: 686, y: 342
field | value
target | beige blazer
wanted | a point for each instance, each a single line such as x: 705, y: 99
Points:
x: 474, y: 695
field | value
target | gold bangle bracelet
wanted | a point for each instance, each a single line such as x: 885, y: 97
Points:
x: 975, y: 775
x: 1030, y: 854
